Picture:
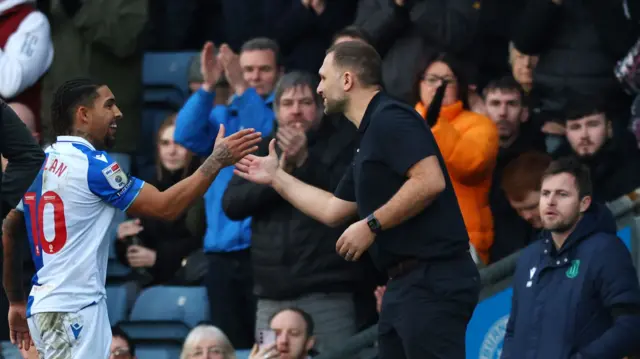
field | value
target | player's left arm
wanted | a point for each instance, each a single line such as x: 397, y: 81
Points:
x: 407, y: 146
x: 108, y: 181
x: 13, y: 231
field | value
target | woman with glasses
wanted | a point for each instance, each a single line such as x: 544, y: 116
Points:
x: 468, y: 142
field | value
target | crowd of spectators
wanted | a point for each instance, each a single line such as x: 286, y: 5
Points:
x: 528, y: 81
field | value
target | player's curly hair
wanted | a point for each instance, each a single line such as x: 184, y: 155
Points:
x: 67, y: 98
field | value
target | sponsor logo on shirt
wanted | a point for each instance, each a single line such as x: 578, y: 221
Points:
x: 116, y: 178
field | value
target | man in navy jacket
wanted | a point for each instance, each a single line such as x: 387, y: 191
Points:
x: 575, y: 291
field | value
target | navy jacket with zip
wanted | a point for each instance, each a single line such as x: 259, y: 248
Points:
x: 580, y: 301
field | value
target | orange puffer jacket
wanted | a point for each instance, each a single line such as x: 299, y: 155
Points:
x: 469, y: 145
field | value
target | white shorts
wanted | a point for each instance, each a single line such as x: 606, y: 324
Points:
x: 84, y: 334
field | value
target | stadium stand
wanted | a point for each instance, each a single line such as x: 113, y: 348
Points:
x: 164, y: 78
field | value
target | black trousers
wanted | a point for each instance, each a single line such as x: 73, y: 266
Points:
x: 229, y: 285
x: 425, y: 312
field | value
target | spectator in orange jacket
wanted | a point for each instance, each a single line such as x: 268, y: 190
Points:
x: 468, y: 142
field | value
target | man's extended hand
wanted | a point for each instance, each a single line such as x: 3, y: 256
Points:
x: 18, y: 327
x: 292, y: 141
x: 260, y: 170
x: 355, y: 240
x: 229, y: 150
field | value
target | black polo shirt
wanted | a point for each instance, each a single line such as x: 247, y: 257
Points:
x: 394, y: 137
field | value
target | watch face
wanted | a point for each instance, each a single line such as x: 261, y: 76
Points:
x: 373, y: 224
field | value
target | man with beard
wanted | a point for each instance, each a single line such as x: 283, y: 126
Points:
x: 575, y: 291
x: 505, y: 103
x: 408, y: 215
x: 613, y: 162
x: 294, y: 329
x: 82, y: 188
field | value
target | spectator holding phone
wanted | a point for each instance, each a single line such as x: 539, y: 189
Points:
x: 293, y: 334
x: 156, y: 249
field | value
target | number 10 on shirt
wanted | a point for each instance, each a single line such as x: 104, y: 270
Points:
x: 36, y: 211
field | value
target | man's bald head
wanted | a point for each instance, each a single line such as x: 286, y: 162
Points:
x: 26, y: 115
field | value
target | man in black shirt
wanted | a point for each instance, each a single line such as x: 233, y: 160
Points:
x: 25, y: 158
x: 409, y: 216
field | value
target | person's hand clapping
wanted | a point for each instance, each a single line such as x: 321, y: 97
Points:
x: 260, y: 170
x: 210, y: 67
x: 129, y: 228
x: 141, y: 257
x: 229, y: 150
x: 268, y: 352
x: 292, y: 141
x: 230, y: 62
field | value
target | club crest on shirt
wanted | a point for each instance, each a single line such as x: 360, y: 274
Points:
x: 115, y: 176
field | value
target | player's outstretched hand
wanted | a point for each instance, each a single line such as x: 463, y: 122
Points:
x: 229, y: 150
x: 260, y: 170
x: 18, y: 327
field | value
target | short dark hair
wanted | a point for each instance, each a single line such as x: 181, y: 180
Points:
x: 264, y: 43
x: 578, y: 107
x: 67, y: 98
x: 295, y: 79
x: 305, y: 316
x: 352, y: 31
x: 524, y: 174
x: 504, y: 84
x: 116, y: 331
x: 574, y: 167
x: 361, y: 58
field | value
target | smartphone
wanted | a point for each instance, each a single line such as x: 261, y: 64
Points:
x: 266, y: 338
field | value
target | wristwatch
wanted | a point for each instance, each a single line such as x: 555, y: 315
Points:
x: 373, y: 224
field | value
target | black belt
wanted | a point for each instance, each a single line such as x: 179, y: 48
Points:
x: 402, y: 267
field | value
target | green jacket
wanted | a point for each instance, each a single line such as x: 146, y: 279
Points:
x: 102, y: 41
